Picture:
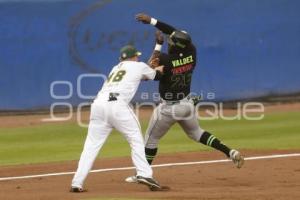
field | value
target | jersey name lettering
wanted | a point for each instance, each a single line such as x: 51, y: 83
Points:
x: 182, y: 61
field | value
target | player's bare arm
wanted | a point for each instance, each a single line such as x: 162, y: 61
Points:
x: 153, y: 61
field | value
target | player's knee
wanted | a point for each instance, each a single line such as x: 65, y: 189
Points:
x: 151, y: 144
x: 195, y: 134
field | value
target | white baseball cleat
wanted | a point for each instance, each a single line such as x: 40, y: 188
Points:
x: 131, y: 179
x: 237, y: 158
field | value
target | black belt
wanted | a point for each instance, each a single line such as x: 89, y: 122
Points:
x: 113, y: 96
x: 172, y: 102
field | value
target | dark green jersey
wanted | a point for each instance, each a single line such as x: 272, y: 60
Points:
x: 175, y: 84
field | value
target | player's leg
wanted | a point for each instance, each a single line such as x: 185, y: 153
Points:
x: 161, y: 121
x: 157, y: 127
x: 194, y: 131
x: 98, y: 132
x: 127, y: 123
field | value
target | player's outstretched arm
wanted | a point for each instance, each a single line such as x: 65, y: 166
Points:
x: 153, y: 61
x: 146, y: 19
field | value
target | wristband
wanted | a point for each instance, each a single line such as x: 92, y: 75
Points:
x: 157, y: 47
x: 153, y: 21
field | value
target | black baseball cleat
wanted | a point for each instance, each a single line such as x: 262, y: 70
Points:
x: 147, y: 181
x: 77, y: 190
x: 151, y: 183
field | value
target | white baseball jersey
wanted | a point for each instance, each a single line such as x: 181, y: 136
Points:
x: 124, y: 79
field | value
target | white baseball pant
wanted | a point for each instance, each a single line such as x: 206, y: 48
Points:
x: 106, y: 115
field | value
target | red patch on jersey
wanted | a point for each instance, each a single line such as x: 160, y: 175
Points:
x: 182, y: 69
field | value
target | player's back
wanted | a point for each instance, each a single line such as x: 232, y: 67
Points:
x: 176, y: 82
x: 124, y: 80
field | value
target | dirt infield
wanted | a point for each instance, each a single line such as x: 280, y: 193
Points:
x: 259, y: 179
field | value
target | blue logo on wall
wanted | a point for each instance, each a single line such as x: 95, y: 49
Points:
x: 96, y: 35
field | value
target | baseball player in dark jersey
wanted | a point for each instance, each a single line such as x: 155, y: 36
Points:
x: 174, y: 87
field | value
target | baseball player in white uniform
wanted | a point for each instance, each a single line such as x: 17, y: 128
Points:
x: 111, y: 110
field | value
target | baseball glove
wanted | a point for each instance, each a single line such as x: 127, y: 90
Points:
x: 196, y: 99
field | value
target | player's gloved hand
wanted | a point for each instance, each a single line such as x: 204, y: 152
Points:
x: 196, y: 99
x: 143, y: 18
x: 160, y: 69
x: 159, y: 37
